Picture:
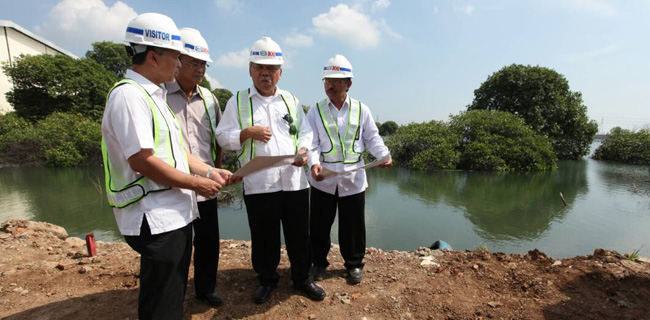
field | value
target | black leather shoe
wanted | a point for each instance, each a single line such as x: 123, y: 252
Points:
x: 355, y: 275
x: 318, y: 273
x: 312, y: 291
x: 263, y: 294
x: 213, y: 298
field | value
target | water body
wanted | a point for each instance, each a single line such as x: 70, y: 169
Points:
x: 608, y: 205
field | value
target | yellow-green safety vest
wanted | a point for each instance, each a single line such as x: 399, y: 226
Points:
x: 209, y: 102
x: 342, y: 150
x: 245, y: 111
x: 121, y: 193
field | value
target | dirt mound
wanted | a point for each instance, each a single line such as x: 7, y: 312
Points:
x: 46, y: 275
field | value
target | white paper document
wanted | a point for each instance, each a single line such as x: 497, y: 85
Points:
x: 326, y: 173
x: 263, y: 162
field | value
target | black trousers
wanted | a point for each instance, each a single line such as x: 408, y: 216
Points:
x: 352, y: 227
x: 206, y: 247
x: 265, y: 213
x: 164, y: 265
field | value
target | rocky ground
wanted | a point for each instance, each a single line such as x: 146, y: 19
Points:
x: 46, y: 275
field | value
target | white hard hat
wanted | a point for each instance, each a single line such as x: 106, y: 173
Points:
x: 153, y: 29
x: 266, y: 51
x: 337, y: 67
x: 195, y: 45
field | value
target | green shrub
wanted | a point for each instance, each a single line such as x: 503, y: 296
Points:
x: 474, y: 140
x: 10, y: 122
x: 424, y: 146
x: 229, y: 160
x: 60, y: 140
x: 625, y: 146
x: 481, y: 156
x: 498, y: 140
x: 70, y: 139
x: 18, y: 141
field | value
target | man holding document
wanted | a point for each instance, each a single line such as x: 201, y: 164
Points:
x: 343, y: 129
x: 264, y: 121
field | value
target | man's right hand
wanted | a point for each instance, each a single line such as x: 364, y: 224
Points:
x: 315, y: 172
x: 206, y: 187
x: 259, y: 133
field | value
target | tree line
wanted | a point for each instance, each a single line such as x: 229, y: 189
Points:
x: 522, y: 118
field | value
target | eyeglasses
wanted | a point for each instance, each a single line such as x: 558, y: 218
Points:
x: 292, y: 128
x: 195, y: 65
x: 335, y: 80
x: 268, y: 67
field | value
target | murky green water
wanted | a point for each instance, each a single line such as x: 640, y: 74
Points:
x: 608, y: 206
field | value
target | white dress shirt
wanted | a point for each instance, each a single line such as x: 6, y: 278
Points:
x: 127, y: 129
x: 269, y: 112
x: 349, y: 183
x: 194, y: 122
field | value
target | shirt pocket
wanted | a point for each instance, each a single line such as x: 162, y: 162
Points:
x: 260, y: 118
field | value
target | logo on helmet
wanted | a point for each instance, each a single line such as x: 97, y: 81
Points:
x: 337, y: 68
x: 200, y: 49
x: 266, y: 53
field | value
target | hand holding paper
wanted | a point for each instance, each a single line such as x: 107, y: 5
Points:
x: 384, y: 162
x: 301, y: 158
x: 221, y: 176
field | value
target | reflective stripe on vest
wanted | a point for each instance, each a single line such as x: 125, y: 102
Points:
x: 342, y: 150
x: 245, y: 111
x: 122, y: 196
x: 211, y: 110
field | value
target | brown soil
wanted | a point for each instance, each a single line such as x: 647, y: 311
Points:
x: 45, y: 275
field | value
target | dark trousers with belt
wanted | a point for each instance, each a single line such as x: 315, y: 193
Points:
x: 352, y: 227
x: 265, y: 213
x: 164, y: 265
x: 206, y: 247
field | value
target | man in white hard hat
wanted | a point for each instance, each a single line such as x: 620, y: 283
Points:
x: 198, y: 111
x: 343, y: 130
x: 264, y: 120
x: 149, y: 181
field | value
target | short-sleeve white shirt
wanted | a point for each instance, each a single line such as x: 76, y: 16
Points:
x: 127, y: 129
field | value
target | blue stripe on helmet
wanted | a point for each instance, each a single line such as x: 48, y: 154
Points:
x: 135, y: 30
x: 175, y: 37
x: 189, y: 46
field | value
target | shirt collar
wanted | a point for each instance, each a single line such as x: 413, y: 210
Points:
x: 255, y: 92
x: 345, y: 102
x: 148, y: 86
x: 174, y: 87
